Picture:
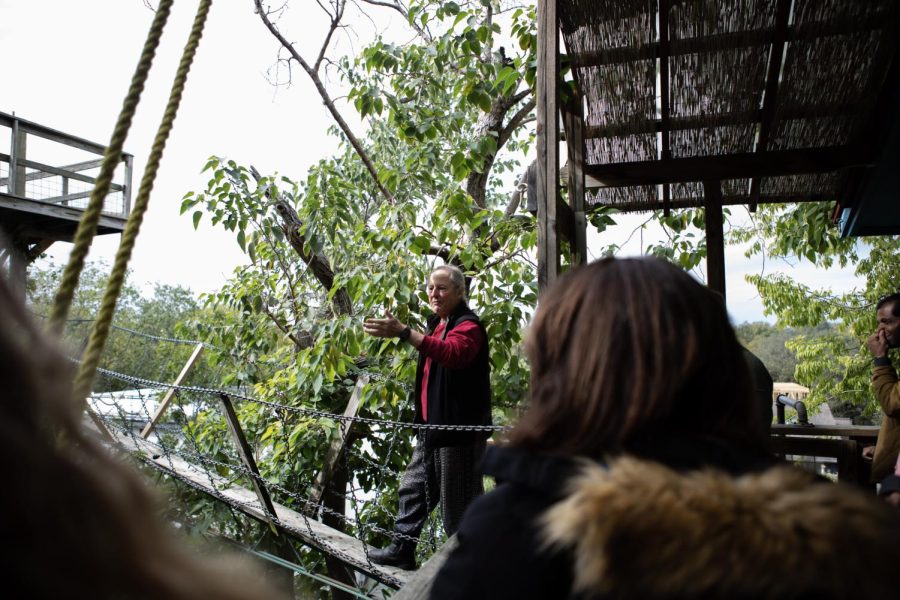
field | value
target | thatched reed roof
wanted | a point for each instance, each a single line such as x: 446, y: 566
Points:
x: 780, y: 100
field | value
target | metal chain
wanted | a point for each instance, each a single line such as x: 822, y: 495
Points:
x: 310, y: 412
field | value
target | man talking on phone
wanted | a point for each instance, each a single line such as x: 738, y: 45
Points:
x: 452, y: 387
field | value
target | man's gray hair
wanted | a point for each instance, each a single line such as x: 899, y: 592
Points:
x: 456, y: 276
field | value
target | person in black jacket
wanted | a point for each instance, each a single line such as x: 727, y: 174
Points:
x: 640, y: 468
x: 452, y: 387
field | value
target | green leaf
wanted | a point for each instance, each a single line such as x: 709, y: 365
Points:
x: 197, y: 215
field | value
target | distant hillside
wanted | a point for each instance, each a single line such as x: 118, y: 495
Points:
x: 767, y: 342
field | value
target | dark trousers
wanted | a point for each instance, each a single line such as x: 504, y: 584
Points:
x: 446, y: 475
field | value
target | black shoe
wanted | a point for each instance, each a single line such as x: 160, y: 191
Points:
x: 399, y: 554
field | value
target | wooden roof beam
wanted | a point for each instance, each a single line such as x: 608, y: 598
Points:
x: 773, y: 77
x: 720, y: 120
x: 728, y: 166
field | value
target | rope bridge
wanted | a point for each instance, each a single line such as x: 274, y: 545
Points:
x: 143, y: 416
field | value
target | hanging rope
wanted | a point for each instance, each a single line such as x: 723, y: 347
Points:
x: 87, y: 227
x: 100, y: 330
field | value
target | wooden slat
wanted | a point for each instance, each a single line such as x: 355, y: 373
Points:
x: 729, y: 166
x: 770, y: 95
x: 853, y: 431
x: 164, y: 404
x: 62, y: 172
x: 298, y: 526
x: 547, y: 142
x: 35, y: 175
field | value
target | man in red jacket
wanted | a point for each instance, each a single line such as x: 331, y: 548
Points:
x: 452, y: 388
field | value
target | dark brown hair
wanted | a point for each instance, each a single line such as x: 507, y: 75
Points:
x: 79, y: 522
x: 623, y: 348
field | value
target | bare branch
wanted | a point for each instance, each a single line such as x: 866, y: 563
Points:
x: 516, y: 121
x: 397, y: 6
x: 326, y: 99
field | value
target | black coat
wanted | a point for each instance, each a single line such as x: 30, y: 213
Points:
x: 500, y: 555
x: 456, y: 396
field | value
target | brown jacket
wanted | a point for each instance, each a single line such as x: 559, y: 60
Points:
x: 640, y: 530
x: 887, y: 390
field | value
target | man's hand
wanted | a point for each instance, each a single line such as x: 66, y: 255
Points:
x: 387, y: 327
x: 868, y: 453
x: 878, y: 344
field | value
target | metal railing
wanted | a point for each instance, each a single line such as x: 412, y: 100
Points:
x: 784, y: 400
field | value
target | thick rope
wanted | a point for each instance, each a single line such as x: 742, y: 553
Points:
x: 87, y: 227
x: 100, y: 330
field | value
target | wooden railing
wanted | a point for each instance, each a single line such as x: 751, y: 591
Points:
x: 66, y: 184
x: 844, y: 444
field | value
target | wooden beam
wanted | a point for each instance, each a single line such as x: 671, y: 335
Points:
x: 62, y: 172
x: 55, y: 211
x: 715, y: 239
x: 164, y: 404
x: 337, y: 445
x: 576, y: 232
x: 34, y: 175
x: 770, y: 95
x: 547, y: 142
x: 246, y: 453
x: 727, y: 166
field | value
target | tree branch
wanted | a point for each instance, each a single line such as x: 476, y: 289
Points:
x: 319, y: 265
x: 326, y: 99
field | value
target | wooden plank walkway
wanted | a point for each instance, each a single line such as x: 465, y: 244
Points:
x: 307, y: 530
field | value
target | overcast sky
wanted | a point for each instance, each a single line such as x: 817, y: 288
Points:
x: 67, y: 65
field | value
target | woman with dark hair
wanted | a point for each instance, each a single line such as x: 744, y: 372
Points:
x: 640, y: 468
x: 77, y: 521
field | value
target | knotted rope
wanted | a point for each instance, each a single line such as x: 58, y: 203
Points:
x: 100, y: 330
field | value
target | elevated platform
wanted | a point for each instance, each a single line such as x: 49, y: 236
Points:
x: 45, y: 183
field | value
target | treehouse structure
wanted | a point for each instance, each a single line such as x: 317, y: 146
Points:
x: 45, y: 183
x: 669, y: 104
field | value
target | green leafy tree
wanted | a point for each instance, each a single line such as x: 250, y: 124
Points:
x: 128, y: 350
x: 836, y: 365
x: 446, y: 114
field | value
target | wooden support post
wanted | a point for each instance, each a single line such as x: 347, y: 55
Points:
x: 246, y: 454
x: 574, y: 120
x: 275, y: 542
x: 164, y: 404
x: 16, y: 157
x: 715, y: 239
x: 547, y: 142
x: 126, y: 185
x: 337, y: 445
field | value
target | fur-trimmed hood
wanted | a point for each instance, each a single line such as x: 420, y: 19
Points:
x: 638, y: 529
